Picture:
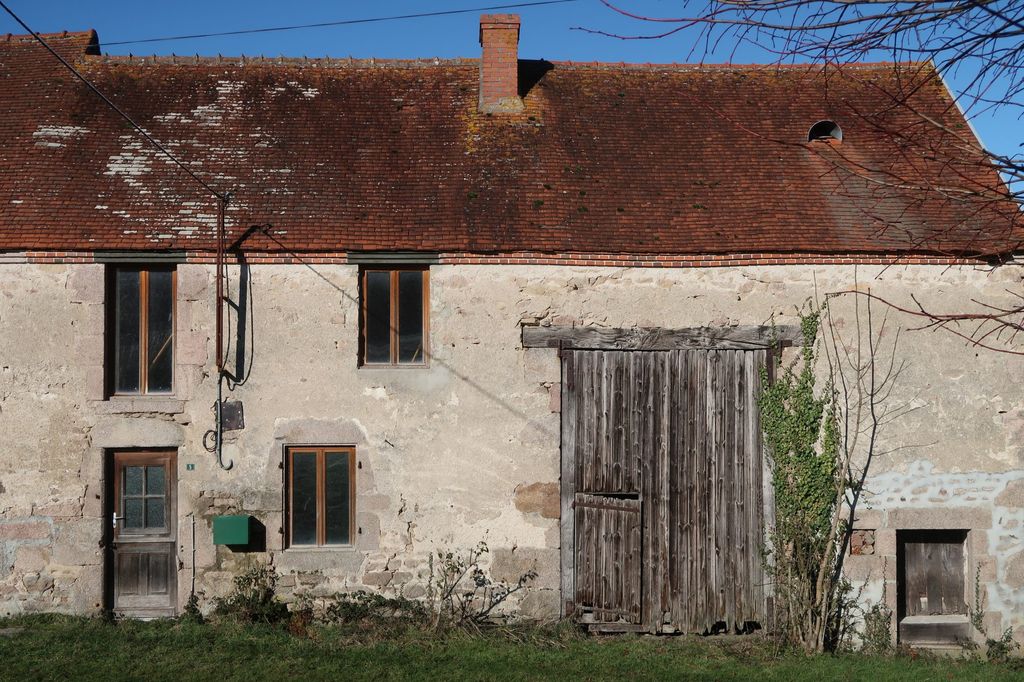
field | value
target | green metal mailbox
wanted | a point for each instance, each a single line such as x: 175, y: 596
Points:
x: 231, y: 530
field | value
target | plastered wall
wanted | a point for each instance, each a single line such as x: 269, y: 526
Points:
x: 466, y: 449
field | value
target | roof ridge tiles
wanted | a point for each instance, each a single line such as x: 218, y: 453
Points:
x: 281, y: 60
x: 724, y: 66
x: 426, y: 62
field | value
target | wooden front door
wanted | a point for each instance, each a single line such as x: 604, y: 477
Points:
x: 144, y: 534
x: 662, y: 465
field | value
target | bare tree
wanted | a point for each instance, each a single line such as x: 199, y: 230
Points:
x: 824, y: 419
x: 979, y: 42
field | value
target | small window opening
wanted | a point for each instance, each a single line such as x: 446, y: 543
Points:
x: 931, y: 577
x: 140, y: 328
x: 321, y: 491
x: 395, y: 314
x: 825, y: 131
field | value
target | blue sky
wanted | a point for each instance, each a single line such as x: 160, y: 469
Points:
x: 547, y: 32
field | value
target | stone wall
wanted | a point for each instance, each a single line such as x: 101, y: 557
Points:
x: 464, y: 450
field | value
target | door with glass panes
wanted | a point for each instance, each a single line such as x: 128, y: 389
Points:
x: 144, y: 534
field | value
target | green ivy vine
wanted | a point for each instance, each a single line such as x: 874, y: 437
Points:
x: 802, y: 436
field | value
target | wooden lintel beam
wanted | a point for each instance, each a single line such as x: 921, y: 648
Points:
x: 744, y: 337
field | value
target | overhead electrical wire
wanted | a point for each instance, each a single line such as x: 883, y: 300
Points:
x: 142, y: 131
x: 345, y: 22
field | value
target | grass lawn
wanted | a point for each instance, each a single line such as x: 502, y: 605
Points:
x: 53, y: 647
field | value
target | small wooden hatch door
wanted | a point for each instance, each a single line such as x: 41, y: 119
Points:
x: 144, y: 534
x: 608, y: 558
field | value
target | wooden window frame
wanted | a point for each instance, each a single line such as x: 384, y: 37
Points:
x: 123, y: 458
x: 111, y: 355
x: 321, y: 490
x: 394, y: 272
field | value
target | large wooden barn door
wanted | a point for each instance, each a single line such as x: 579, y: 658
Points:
x: 662, y: 457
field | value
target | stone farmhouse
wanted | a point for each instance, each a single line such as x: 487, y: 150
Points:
x: 496, y: 299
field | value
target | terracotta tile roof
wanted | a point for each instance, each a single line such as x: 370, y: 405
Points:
x: 342, y: 155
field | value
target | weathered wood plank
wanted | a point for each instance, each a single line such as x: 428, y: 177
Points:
x: 567, y: 484
x: 647, y: 399
x: 743, y: 337
x: 615, y: 627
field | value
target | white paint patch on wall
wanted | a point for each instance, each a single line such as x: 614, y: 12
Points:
x: 921, y: 487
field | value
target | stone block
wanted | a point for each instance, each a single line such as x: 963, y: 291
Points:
x: 941, y: 518
x: 977, y: 543
x: 89, y: 350
x: 885, y: 542
x: 541, y: 364
x: 414, y: 591
x: 1012, y: 495
x: 891, y: 598
x: 992, y: 621
x: 93, y: 320
x: 193, y: 349
x: 868, y: 518
x: 31, y: 559
x: 183, y: 318
x: 368, y: 528
x: 37, y: 582
x: 555, y: 397
x: 60, y: 509
x: 859, y: 568
x: 538, y: 498
x: 1013, y: 575
x: 77, y: 543
x: 509, y: 564
x: 193, y: 281
x: 95, y: 383
x: 87, y: 283
x: 317, y: 431
x: 540, y: 605
x: 862, y: 542
x: 309, y: 579
x: 987, y: 569
x: 24, y: 530
x: 86, y: 594
x: 391, y: 579
x: 134, y: 432
x: 144, y: 404
x: 342, y: 561
x: 376, y: 503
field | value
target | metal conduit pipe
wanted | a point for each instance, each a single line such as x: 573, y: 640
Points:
x: 219, y: 418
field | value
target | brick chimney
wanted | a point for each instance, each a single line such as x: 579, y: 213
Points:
x: 499, y: 64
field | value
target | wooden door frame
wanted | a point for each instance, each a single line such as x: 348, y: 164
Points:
x: 567, y: 488
x: 112, y: 491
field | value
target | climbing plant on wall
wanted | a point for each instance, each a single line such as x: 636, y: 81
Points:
x: 821, y: 426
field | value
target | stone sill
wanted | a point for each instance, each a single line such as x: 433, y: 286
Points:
x: 935, y: 631
x: 139, y: 404
x: 313, y: 559
x: 936, y: 620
